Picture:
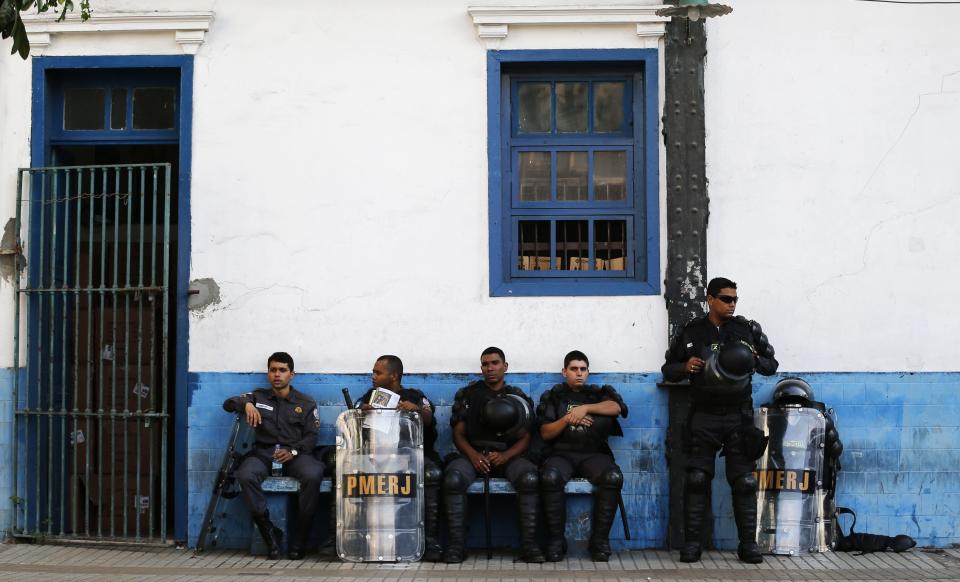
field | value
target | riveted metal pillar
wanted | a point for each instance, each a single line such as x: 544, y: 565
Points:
x: 687, y: 215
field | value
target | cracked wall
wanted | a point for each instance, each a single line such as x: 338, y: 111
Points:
x: 833, y: 182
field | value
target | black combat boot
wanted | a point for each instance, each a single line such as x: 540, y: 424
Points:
x: 271, y: 534
x: 555, y: 518
x: 328, y: 550
x: 431, y: 502
x: 298, y: 541
x: 694, y: 508
x: 529, y: 549
x: 745, y: 514
x: 605, y: 502
x: 455, y: 505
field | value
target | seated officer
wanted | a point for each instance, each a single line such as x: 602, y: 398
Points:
x: 575, y: 420
x: 286, y: 417
x: 387, y: 373
x: 491, y: 428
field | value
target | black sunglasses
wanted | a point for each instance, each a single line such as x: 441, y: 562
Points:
x: 728, y: 298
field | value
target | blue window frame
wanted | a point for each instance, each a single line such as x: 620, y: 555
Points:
x: 573, y: 153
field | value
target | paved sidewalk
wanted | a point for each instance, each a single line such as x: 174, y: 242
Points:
x: 41, y: 563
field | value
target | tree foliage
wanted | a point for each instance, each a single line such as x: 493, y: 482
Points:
x: 11, y: 25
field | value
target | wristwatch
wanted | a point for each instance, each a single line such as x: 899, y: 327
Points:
x: 294, y: 452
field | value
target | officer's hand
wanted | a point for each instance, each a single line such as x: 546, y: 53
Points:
x: 282, y: 455
x: 576, y: 415
x: 480, y: 463
x: 408, y: 406
x: 253, y: 415
x: 694, y: 365
x: 496, y: 459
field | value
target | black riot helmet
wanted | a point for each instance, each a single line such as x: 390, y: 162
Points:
x: 792, y: 390
x: 506, y: 416
x: 736, y: 359
x: 728, y: 370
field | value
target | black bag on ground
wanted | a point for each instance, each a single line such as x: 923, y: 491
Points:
x: 868, y: 543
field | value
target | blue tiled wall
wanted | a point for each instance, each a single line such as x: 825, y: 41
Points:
x: 901, y: 464
x: 639, y: 453
x: 901, y: 459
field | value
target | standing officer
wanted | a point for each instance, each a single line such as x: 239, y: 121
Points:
x: 576, y: 420
x: 288, y: 418
x: 718, y: 353
x: 387, y: 373
x: 491, y: 423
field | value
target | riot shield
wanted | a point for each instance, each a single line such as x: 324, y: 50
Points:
x: 379, y: 486
x: 791, y: 498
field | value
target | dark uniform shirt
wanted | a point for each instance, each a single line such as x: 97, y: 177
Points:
x: 700, y: 338
x: 468, y: 406
x: 560, y: 399
x: 292, y: 422
x: 420, y: 399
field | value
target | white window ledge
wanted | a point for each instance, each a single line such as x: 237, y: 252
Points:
x: 494, y: 22
x: 188, y: 28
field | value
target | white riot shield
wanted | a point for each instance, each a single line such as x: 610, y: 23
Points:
x: 791, y: 498
x: 379, y: 486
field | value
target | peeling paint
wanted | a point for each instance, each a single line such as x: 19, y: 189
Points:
x: 207, y: 296
x: 10, y: 256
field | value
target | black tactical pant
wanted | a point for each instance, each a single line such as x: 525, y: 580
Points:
x: 592, y: 466
x: 255, y: 467
x: 512, y: 470
x: 709, y: 431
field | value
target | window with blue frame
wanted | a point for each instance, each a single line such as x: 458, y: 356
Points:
x: 114, y: 106
x: 574, y: 191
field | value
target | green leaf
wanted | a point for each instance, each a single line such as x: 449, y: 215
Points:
x: 8, y: 13
x: 21, y: 44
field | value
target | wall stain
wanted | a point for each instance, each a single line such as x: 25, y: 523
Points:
x: 11, y: 259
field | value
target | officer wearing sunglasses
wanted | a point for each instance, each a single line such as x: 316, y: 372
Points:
x: 718, y: 354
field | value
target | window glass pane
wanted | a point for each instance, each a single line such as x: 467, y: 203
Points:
x: 573, y: 250
x: 535, y: 176
x: 534, y: 107
x: 84, y: 108
x: 571, y: 107
x: 608, y: 107
x: 533, y: 245
x: 118, y: 109
x: 610, y: 245
x: 153, y: 108
x: 609, y: 175
x: 571, y: 175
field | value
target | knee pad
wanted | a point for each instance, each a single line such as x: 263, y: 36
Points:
x: 611, y: 479
x: 529, y: 482
x: 551, y: 479
x: 697, y: 481
x: 745, y: 484
x: 454, y: 482
x: 432, y: 476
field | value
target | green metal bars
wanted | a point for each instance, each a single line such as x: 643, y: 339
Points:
x: 91, y: 398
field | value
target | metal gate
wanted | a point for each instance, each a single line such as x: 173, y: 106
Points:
x: 91, y: 401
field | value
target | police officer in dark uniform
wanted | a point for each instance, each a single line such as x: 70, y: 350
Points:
x: 576, y: 419
x: 286, y: 417
x: 387, y: 373
x: 491, y: 423
x: 718, y: 353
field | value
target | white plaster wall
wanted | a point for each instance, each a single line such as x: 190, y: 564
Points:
x: 339, y: 194
x: 833, y: 136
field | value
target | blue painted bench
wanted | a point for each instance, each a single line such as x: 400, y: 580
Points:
x: 498, y: 486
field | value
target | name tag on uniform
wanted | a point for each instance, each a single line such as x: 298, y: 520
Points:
x: 264, y: 406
